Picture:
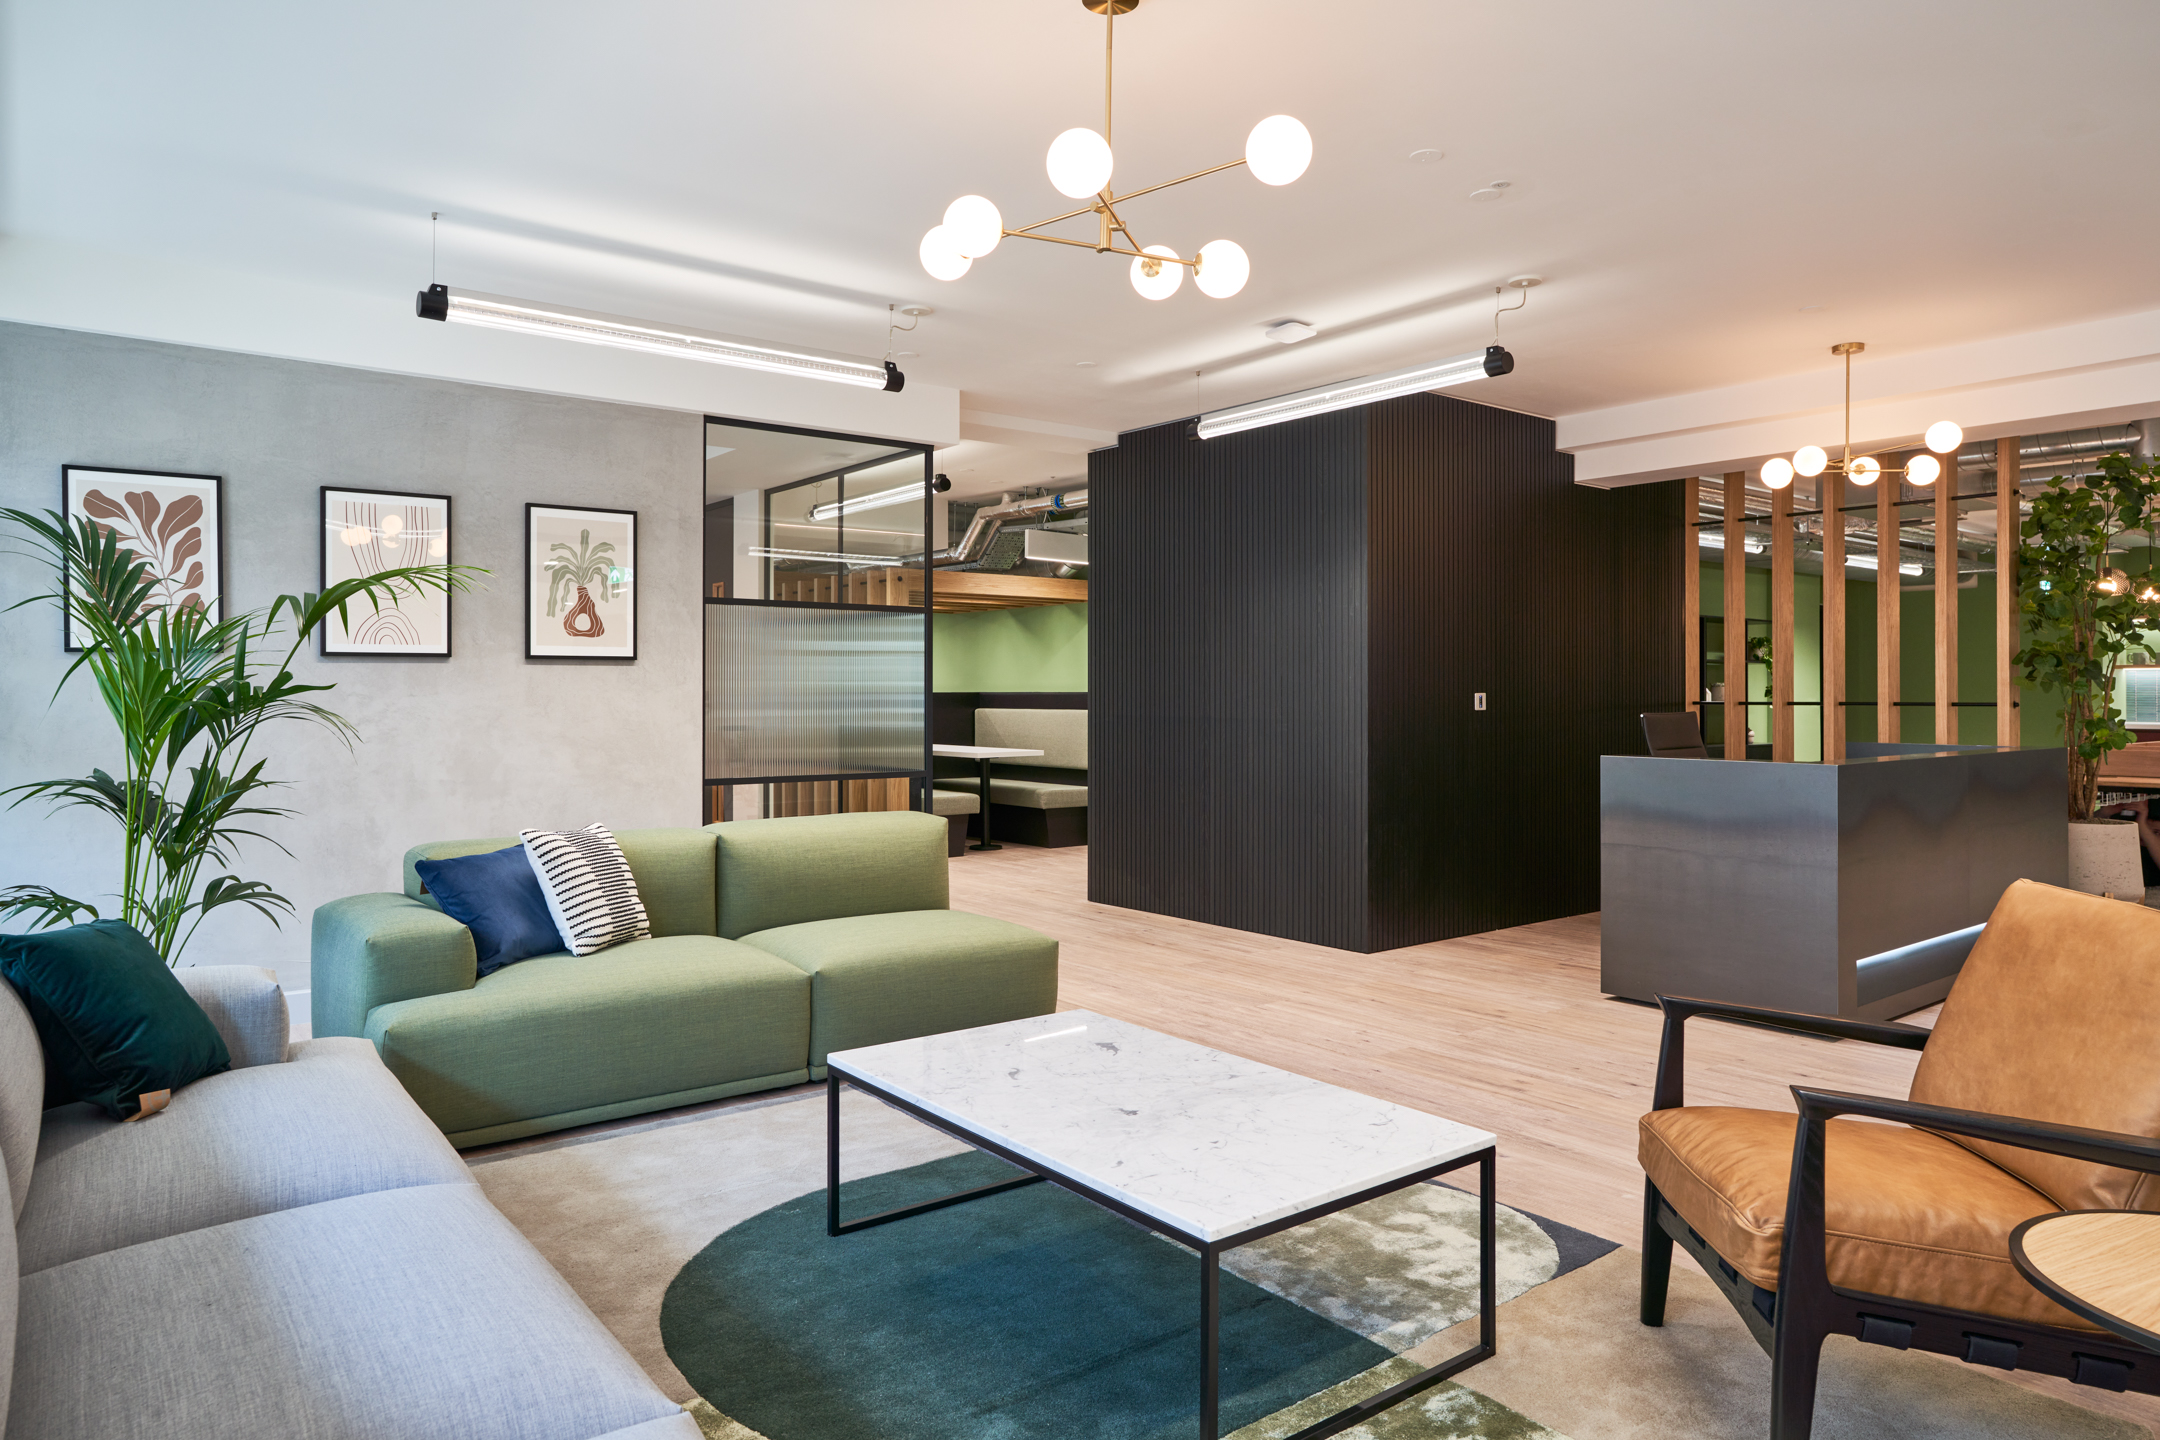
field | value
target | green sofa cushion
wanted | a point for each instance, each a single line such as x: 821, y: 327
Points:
x: 823, y: 867
x: 1034, y: 794
x: 371, y: 950
x: 674, y: 870
x: 562, y: 1033
x: 1062, y: 735
x: 923, y: 972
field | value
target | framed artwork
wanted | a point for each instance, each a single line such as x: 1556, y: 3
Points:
x: 174, y: 522
x: 580, y: 583
x: 365, y: 532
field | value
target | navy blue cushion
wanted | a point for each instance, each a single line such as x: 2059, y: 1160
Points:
x: 497, y: 897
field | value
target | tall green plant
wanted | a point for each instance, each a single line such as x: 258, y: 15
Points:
x: 189, y: 695
x: 2081, y: 613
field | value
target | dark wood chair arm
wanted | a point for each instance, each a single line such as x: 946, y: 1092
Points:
x: 1672, y: 1056
x: 2101, y: 1147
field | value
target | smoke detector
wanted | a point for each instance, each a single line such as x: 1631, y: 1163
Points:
x: 1289, y: 332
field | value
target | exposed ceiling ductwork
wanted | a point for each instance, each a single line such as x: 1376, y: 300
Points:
x: 991, y: 518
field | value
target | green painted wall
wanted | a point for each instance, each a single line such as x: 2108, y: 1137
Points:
x: 1043, y: 647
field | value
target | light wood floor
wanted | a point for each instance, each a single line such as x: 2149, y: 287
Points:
x: 1506, y: 1031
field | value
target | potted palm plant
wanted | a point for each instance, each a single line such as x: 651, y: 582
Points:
x: 2082, y: 615
x: 190, y: 695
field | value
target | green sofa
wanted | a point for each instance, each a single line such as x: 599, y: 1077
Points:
x: 773, y: 943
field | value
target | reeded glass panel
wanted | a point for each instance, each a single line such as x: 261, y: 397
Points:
x: 800, y: 690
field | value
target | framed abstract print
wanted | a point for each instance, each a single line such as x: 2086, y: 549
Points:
x: 580, y: 583
x: 365, y: 532
x: 173, y: 522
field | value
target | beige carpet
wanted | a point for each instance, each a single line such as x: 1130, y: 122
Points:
x: 621, y: 1212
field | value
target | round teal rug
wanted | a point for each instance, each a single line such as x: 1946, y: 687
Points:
x: 1036, y: 1313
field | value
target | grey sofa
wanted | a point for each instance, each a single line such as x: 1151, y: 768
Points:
x: 289, y: 1249
x: 1036, y: 802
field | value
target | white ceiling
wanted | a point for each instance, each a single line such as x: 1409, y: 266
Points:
x: 1714, y: 192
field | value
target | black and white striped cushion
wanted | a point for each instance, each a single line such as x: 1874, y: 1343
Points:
x: 590, y: 890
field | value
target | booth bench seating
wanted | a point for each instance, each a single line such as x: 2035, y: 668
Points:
x: 773, y: 943
x: 289, y: 1248
x: 1037, y: 802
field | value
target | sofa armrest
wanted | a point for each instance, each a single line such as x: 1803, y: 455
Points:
x: 247, y: 1006
x: 370, y: 950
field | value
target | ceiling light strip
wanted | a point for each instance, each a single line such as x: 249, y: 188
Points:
x: 526, y: 317
x: 764, y: 552
x: 832, y: 509
x: 1437, y: 375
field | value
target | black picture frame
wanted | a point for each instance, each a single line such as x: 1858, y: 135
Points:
x: 325, y: 646
x: 539, y: 645
x: 68, y: 509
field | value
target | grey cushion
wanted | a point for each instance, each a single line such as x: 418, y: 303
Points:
x: 954, y: 802
x: 1060, y: 734
x: 671, y: 1427
x: 329, y: 1122
x: 8, y: 1294
x: 22, y: 1094
x: 247, y: 1005
x: 1034, y: 794
x: 413, y: 1314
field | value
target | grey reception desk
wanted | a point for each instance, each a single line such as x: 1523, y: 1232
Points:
x: 1852, y: 889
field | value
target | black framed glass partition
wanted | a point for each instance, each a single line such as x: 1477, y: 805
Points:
x: 817, y: 622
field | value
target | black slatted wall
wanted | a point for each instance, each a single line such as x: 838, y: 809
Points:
x: 1492, y: 571
x: 1226, y: 678
x: 1286, y: 629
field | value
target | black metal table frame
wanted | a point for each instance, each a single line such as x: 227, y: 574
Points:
x: 1210, y: 1250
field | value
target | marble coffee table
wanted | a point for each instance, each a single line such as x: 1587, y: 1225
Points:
x: 1207, y: 1148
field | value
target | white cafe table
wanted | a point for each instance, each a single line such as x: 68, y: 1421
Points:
x: 985, y: 754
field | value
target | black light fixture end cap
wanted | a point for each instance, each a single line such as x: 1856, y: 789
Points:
x: 1498, y: 361
x: 433, y: 303
x: 941, y: 484
x: 895, y: 382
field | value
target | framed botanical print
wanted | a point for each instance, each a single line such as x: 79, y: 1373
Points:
x: 365, y: 532
x: 580, y: 583
x: 175, y: 523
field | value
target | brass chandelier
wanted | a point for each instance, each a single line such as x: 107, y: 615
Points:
x: 1080, y: 162
x: 1943, y: 437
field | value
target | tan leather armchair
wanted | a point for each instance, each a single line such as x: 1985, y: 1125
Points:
x: 2038, y: 1090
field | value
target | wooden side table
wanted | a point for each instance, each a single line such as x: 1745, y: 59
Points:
x: 2101, y: 1264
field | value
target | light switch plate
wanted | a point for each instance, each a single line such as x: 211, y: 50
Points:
x: 1477, y: 701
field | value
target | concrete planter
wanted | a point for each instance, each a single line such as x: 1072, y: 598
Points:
x: 2105, y: 859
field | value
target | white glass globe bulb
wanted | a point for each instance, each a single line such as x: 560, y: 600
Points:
x: 1777, y: 474
x: 973, y: 225
x: 1864, y: 470
x: 941, y: 257
x: 1809, y: 460
x: 1923, y: 470
x: 354, y: 535
x: 1167, y: 277
x: 1278, y: 150
x: 392, y: 526
x: 1079, y: 163
x: 1224, y: 269
x: 1944, y: 436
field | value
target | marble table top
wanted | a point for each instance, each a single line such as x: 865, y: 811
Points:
x: 1208, y: 1143
x: 980, y: 752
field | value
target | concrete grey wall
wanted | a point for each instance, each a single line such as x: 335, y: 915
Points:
x: 482, y: 743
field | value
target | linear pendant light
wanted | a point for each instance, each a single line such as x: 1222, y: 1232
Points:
x: 832, y: 509
x: 1440, y: 374
x: 768, y: 552
x: 498, y: 312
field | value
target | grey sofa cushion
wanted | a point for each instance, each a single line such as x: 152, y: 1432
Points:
x: 1060, y: 734
x: 8, y: 1301
x: 1034, y: 794
x: 671, y: 1427
x: 247, y: 1005
x: 399, y: 1315
x: 22, y: 1094
x: 332, y: 1121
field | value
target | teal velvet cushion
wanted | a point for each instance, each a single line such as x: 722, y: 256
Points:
x: 116, y: 1025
